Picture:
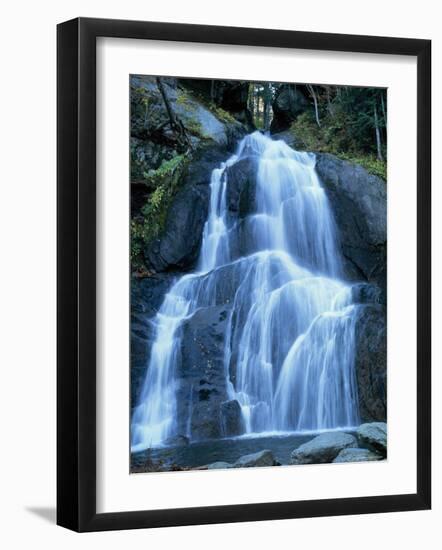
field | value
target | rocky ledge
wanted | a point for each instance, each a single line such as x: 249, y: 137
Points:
x: 254, y: 460
x: 369, y: 444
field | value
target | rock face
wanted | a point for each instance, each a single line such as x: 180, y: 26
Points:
x: 254, y: 460
x: 262, y: 458
x: 359, y: 203
x: 323, y: 448
x: 201, y: 376
x: 199, y: 134
x: 290, y: 101
x: 231, y: 418
x: 179, y: 244
x: 146, y: 297
x: 371, y: 362
x: 365, y: 293
x: 230, y: 95
x: 177, y: 441
x: 357, y: 455
x: 242, y: 185
x: 374, y: 436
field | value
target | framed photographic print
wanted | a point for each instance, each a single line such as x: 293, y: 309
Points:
x: 234, y: 341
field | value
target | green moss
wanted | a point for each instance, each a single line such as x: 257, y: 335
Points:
x: 370, y: 163
x: 333, y: 137
x: 194, y: 127
x: 221, y: 114
x: 146, y: 227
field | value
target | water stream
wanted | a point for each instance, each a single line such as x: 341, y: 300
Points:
x: 290, y: 334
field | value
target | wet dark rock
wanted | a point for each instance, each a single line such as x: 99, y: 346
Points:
x: 261, y: 458
x: 359, y: 203
x: 179, y: 244
x: 357, y: 455
x: 203, y: 162
x: 241, y: 188
x: 290, y: 101
x: 374, y: 436
x: 366, y: 293
x: 147, y: 295
x: 371, y: 362
x: 231, y: 418
x: 220, y: 465
x: 290, y: 139
x: 323, y: 448
x: 230, y: 95
x: 201, y: 376
x: 177, y: 441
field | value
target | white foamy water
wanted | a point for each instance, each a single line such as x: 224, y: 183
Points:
x: 289, y: 341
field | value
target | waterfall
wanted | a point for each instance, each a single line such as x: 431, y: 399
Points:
x: 289, y: 346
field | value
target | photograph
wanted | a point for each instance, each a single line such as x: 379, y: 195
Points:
x: 258, y: 274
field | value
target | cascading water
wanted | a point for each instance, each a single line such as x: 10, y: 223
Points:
x: 290, y: 336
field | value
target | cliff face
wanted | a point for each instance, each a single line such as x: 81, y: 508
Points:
x: 178, y: 135
x: 177, y: 158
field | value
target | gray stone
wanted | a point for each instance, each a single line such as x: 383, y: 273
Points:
x: 177, y: 441
x: 231, y: 418
x: 366, y: 293
x: 371, y: 361
x: 147, y: 294
x: 200, y: 374
x: 357, y: 455
x: 374, y: 436
x: 179, y: 244
x: 323, y: 448
x: 290, y: 101
x: 359, y: 203
x: 220, y: 465
x: 240, y: 194
x: 261, y: 458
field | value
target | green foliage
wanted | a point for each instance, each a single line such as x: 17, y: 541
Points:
x: 347, y: 127
x: 221, y: 114
x: 165, y: 181
x: 370, y: 163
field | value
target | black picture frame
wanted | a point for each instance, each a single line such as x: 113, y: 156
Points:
x: 76, y: 274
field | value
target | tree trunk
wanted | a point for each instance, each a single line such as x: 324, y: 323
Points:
x: 175, y: 123
x: 170, y: 113
x: 266, y: 114
x: 378, y: 134
x: 383, y: 108
x: 315, y: 101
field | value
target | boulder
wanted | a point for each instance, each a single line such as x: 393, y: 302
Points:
x: 261, y: 458
x: 231, y: 418
x: 203, y: 161
x: 366, y: 293
x: 150, y: 119
x: 374, y: 436
x: 290, y: 101
x: 240, y: 194
x: 179, y: 244
x: 357, y: 455
x: 359, y: 203
x: 323, y: 448
x: 200, y: 375
x: 220, y: 465
x: 371, y: 361
x: 290, y: 139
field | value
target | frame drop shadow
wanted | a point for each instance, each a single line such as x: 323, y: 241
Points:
x: 45, y: 512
